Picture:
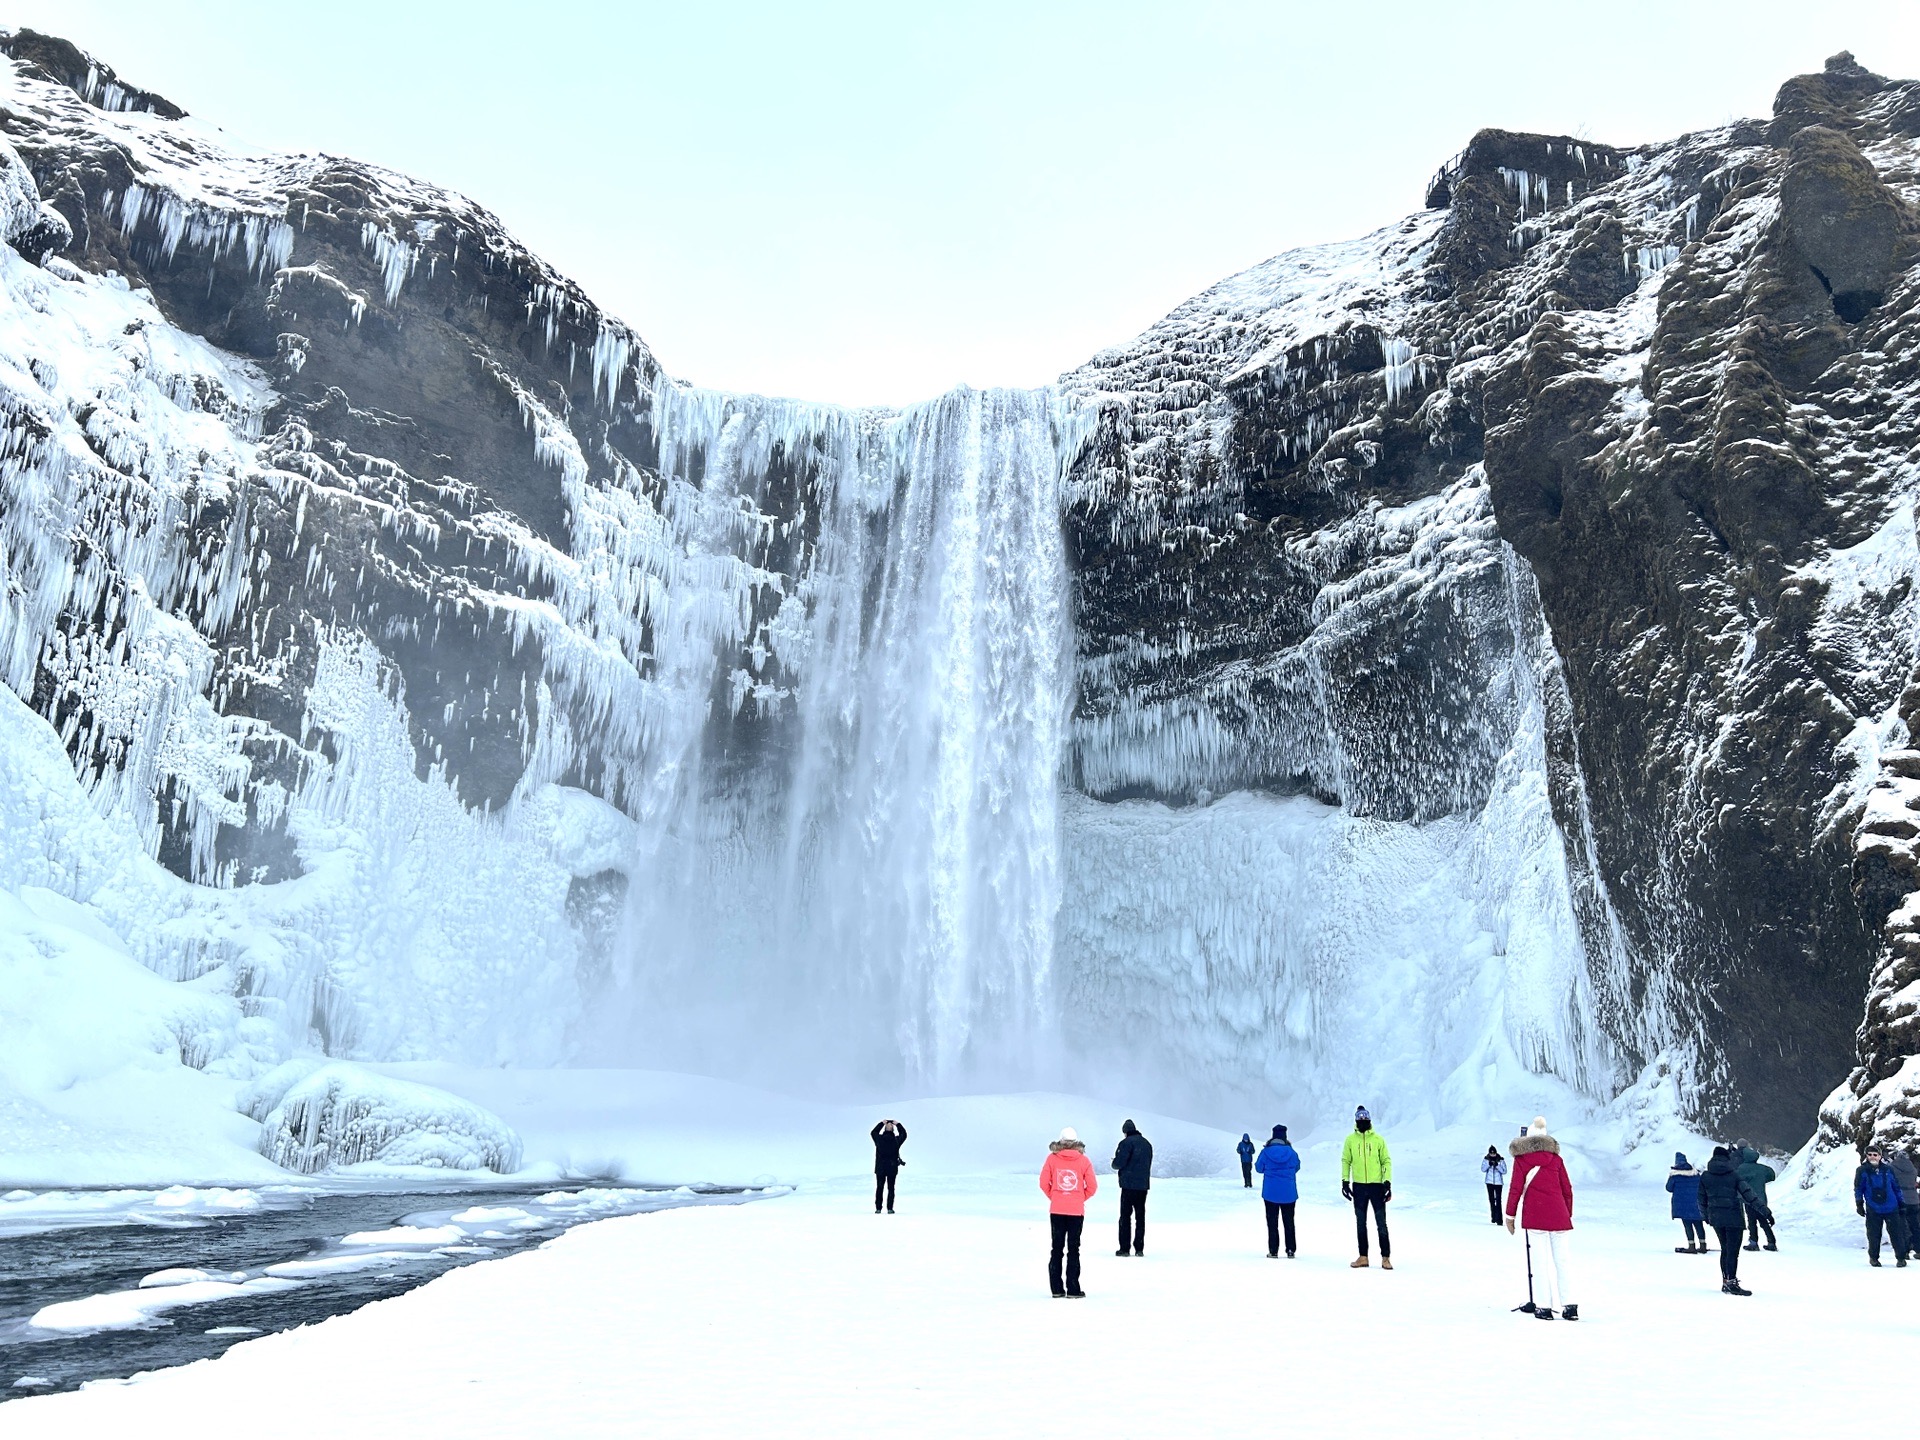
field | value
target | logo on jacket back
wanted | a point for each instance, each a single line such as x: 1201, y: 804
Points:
x: 1067, y: 1180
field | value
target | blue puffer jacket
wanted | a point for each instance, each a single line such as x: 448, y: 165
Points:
x: 1278, y: 1164
x: 1245, y: 1147
x: 1683, y: 1184
x: 1875, y: 1188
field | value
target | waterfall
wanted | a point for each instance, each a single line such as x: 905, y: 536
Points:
x: 858, y: 875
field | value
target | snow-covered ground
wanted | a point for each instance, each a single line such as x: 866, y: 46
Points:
x: 809, y: 1315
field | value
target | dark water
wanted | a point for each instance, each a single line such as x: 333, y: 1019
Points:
x: 71, y: 1264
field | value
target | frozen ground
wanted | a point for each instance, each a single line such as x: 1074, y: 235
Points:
x: 811, y: 1313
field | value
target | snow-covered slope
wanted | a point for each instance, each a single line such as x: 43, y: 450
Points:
x: 1408, y: 672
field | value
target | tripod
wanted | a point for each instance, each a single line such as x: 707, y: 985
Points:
x: 1529, y: 1308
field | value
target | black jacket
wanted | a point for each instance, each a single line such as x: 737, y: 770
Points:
x: 1134, y: 1161
x: 886, y: 1148
x: 1722, y: 1193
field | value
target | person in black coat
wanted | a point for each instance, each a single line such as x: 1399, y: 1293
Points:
x: 1724, y: 1198
x: 1134, y: 1162
x: 888, y: 1137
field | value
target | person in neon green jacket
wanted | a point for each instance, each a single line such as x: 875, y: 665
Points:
x: 1366, y: 1178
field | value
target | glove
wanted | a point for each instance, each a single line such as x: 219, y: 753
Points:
x: 1860, y: 1209
x: 1768, y: 1217
x: 1509, y: 1225
x: 1387, y: 1195
x: 1346, y: 1193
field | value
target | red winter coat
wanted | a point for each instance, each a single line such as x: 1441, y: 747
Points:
x: 1540, y: 1194
x: 1067, y: 1178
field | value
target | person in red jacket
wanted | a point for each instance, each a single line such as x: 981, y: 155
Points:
x: 1067, y: 1180
x: 1540, y: 1199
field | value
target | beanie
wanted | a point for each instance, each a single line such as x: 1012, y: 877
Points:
x: 1067, y: 1137
x: 1539, y: 1126
x: 1280, y: 1133
x: 1360, y: 1113
x: 1127, y: 1128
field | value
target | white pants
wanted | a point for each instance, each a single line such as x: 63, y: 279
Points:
x: 1551, y: 1264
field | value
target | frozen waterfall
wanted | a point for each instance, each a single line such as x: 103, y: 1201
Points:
x: 859, y: 873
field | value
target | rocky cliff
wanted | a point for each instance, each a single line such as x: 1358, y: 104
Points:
x: 1504, y: 621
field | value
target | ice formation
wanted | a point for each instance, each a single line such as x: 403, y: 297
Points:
x: 323, y: 1115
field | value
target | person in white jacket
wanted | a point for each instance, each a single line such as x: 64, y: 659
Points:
x: 1493, y: 1169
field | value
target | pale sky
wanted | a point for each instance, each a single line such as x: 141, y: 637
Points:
x: 872, y: 202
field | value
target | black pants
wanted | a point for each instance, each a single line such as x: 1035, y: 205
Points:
x: 1376, y: 1196
x: 1729, y: 1250
x: 1696, y: 1232
x: 1755, y: 1225
x: 883, y: 1184
x: 1910, y: 1218
x: 1896, y: 1234
x: 1278, y: 1213
x: 1133, y: 1221
x: 1246, y: 1173
x: 1066, y: 1231
x: 1493, y: 1203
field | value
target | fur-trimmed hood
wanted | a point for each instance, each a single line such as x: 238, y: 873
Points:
x: 1054, y: 1147
x: 1529, y: 1144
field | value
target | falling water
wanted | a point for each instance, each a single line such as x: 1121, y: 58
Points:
x: 860, y: 879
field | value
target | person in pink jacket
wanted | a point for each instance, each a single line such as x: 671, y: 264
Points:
x: 1067, y: 1180
x: 1540, y: 1201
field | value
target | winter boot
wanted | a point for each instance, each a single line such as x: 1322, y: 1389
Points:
x: 1289, y: 1254
x: 1543, y: 1313
x: 1123, y: 1253
x: 1874, y: 1263
x: 1387, y: 1264
x: 1900, y: 1264
x: 1733, y: 1287
x: 1363, y: 1262
x: 1754, y: 1248
x: 1572, y: 1312
x: 1076, y: 1294
x: 1273, y: 1254
x: 1769, y: 1246
x: 1683, y: 1249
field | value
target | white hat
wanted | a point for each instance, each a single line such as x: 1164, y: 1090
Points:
x: 1539, y: 1126
x: 1067, y: 1136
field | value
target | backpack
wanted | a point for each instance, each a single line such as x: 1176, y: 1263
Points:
x: 1880, y: 1187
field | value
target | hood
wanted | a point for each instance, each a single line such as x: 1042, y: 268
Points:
x: 1684, y: 1169
x: 1680, y: 1161
x: 1749, y: 1155
x: 1056, y: 1146
x: 1720, y: 1165
x: 1532, y: 1144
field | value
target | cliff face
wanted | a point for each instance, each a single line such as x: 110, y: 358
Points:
x: 1496, y: 633
x: 1682, y: 380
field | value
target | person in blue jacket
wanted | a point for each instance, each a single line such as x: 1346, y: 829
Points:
x: 1245, y: 1147
x: 1683, y: 1184
x: 1876, y: 1195
x: 1279, y: 1164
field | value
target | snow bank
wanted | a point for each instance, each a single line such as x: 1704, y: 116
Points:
x: 322, y: 1115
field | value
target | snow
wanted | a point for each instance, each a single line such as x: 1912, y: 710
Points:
x: 935, y: 1321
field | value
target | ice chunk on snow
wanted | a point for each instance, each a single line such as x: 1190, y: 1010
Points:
x: 319, y: 1117
x: 131, y: 1309
x: 421, y: 1237
x: 162, y: 1278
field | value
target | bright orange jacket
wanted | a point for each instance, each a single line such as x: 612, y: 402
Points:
x: 1068, y: 1180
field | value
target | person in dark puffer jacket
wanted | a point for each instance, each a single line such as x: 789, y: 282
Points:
x: 1757, y: 1175
x: 1908, y: 1179
x: 1724, y: 1198
x: 1134, y: 1161
x: 1683, y: 1184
